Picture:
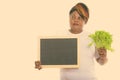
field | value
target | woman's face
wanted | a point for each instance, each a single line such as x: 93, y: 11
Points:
x: 76, y: 22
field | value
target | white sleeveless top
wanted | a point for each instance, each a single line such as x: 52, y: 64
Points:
x: 87, y: 54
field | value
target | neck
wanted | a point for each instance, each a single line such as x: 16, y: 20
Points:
x: 75, y: 32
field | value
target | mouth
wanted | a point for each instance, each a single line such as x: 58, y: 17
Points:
x: 75, y: 24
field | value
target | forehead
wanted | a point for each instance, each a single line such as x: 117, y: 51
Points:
x: 75, y: 13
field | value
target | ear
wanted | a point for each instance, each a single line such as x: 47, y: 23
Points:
x: 85, y: 20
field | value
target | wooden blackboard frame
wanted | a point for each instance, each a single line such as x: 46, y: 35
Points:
x: 60, y: 37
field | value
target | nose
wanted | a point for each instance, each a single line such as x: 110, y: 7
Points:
x: 76, y: 20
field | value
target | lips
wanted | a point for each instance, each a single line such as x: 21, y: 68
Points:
x: 75, y: 24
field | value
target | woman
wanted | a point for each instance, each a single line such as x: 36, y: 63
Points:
x: 79, y: 16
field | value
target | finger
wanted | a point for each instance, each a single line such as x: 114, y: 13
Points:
x: 37, y: 64
x: 39, y: 68
x: 102, y: 51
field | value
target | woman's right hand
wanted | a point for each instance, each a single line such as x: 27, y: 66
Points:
x: 38, y: 65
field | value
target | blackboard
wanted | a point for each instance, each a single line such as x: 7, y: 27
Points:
x: 59, y: 52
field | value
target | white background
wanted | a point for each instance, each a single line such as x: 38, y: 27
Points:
x: 22, y: 21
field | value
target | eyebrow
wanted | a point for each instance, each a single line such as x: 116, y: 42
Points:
x: 73, y: 15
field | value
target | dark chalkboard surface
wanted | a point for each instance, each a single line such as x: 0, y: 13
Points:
x: 59, y: 52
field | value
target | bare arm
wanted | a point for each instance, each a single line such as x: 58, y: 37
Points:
x: 102, y: 56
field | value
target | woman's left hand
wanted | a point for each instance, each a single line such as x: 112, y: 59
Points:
x: 102, y: 52
x: 102, y: 55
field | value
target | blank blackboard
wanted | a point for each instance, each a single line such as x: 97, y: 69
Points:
x: 59, y: 52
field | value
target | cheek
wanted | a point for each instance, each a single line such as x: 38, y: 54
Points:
x: 71, y: 22
x: 81, y: 23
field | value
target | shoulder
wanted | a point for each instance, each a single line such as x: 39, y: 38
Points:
x: 86, y: 34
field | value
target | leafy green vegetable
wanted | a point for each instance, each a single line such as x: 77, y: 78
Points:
x: 102, y: 39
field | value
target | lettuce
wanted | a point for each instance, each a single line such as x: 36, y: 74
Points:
x: 101, y: 39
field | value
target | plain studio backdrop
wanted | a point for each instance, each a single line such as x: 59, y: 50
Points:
x: 22, y: 21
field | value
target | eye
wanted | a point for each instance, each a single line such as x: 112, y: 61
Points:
x: 79, y: 18
x: 73, y: 17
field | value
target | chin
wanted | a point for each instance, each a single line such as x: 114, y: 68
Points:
x: 77, y: 28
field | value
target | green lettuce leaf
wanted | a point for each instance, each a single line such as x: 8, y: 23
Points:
x: 101, y: 39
